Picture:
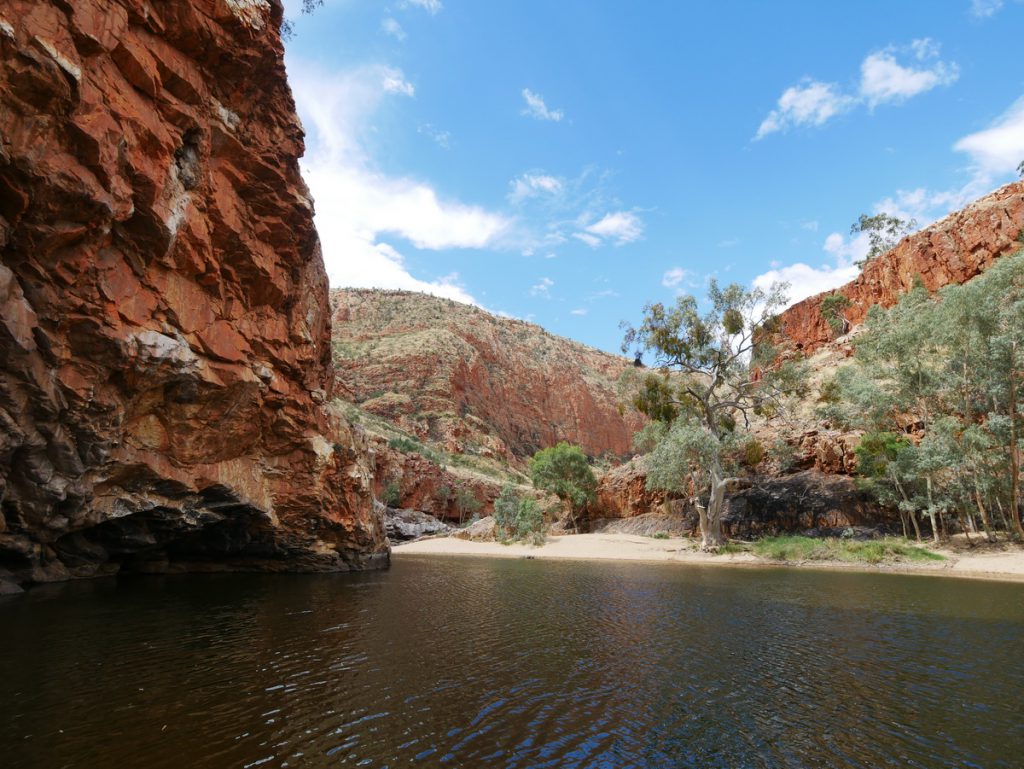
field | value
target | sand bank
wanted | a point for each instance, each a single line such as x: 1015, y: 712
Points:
x: 625, y: 547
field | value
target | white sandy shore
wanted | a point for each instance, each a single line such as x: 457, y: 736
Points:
x: 627, y: 547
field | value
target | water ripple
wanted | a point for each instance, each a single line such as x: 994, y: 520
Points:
x: 515, y: 664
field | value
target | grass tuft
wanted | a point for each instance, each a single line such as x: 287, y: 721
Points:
x: 797, y: 548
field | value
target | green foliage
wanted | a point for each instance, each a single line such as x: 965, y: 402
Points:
x: 518, y: 517
x: 466, y: 502
x: 563, y: 471
x: 883, y: 231
x: 649, y: 436
x: 833, y: 308
x: 1020, y: 169
x: 707, y: 390
x: 406, y: 445
x: 797, y: 548
x: 753, y: 453
x: 392, y: 493
x: 949, y: 368
x: 660, y: 535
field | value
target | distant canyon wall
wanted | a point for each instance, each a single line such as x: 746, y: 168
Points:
x: 165, y: 360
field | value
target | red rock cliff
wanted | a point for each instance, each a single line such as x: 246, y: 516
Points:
x: 164, y: 345
x: 953, y: 250
x: 476, y: 382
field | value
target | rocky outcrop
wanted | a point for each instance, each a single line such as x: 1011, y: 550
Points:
x: 164, y: 346
x: 807, y: 501
x: 412, y: 481
x: 406, y: 525
x: 473, y: 382
x: 951, y: 251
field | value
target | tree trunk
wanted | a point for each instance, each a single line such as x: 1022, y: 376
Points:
x: 1018, y: 531
x: 931, y: 508
x: 712, y: 538
x: 985, y: 524
x: 903, y: 522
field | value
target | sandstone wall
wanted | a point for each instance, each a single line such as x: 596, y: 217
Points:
x: 951, y: 251
x: 475, y: 382
x: 164, y: 345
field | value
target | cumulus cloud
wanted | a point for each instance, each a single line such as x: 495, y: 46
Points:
x: 997, y: 149
x: 538, y: 109
x: 889, y: 76
x: 621, y: 227
x: 885, y: 80
x: 810, y: 102
x: 357, y: 205
x: 805, y: 281
x: 673, y: 277
x: 578, y: 311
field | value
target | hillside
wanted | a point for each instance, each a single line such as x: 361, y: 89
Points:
x: 474, y: 383
x: 950, y: 251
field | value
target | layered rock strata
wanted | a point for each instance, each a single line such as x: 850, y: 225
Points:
x: 165, y: 357
x: 951, y: 251
x: 476, y: 383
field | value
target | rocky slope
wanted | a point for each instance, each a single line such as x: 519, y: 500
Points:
x: 164, y: 348
x: 951, y: 251
x: 473, y: 382
x: 815, y: 489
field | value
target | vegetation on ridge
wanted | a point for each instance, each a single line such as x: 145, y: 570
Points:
x: 936, y: 385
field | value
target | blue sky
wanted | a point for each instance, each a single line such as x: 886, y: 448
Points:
x: 566, y: 162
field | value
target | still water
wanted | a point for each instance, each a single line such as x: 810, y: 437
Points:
x: 479, y: 663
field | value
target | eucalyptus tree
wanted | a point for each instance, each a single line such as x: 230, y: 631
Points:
x: 705, y: 388
x: 884, y: 231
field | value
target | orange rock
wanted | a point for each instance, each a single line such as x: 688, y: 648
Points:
x: 951, y: 251
x: 164, y: 344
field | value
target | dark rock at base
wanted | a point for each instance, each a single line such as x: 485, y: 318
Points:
x: 10, y: 588
x: 404, y: 525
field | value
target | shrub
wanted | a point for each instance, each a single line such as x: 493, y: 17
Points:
x: 392, y: 494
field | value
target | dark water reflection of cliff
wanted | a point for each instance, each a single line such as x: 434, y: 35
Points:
x: 476, y: 663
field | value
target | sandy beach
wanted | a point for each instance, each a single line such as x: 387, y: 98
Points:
x: 996, y: 565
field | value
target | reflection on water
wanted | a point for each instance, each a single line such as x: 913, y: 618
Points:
x: 475, y: 663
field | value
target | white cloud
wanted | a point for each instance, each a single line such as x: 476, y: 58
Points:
x: 431, y: 6
x: 357, y: 205
x: 543, y: 288
x: 578, y: 311
x: 812, y: 226
x: 983, y: 9
x: 393, y: 28
x: 811, y: 102
x: 997, y: 149
x: 805, y: 281
x: 536, y: 108
x: 394, y: 82
x: 885, y: 80
x: 621, y: 226
x: 673, y: 277
x: 591, y: 240
x: 533, y: 185
x: 847, y: 252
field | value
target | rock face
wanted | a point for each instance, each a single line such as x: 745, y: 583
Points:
x: 405, y: 525
x: 474, y: 382
x: 951, y: 251
x: 164, y: 345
